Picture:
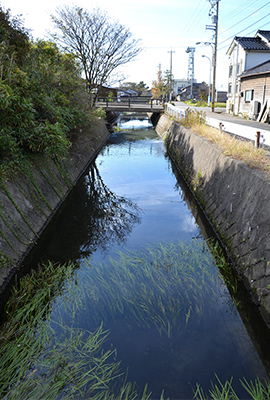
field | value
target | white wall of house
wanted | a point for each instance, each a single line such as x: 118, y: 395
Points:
x: 236, y: 67
x: 240, y: 61
x: 253, y: 59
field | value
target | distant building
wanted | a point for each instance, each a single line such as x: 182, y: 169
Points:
x: 199, y: 90
x: 123, y: 92
x: 221, y: 96
x: 179, y: 84
x: 245, y: 53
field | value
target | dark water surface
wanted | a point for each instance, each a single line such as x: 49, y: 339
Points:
x: 147, y: 274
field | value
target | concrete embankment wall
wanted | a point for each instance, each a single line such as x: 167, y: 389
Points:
x: 236, y: 199
x: 28, y: 202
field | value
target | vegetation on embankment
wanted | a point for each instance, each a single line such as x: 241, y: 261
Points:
x: 235, y: 148
x: 203, y: 103
x: 48, y: 134
x: 43, y: 100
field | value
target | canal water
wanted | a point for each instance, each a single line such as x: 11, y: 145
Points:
x: 146, y: 274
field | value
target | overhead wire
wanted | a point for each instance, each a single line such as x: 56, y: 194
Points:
x: 192, y: 21
x: 224, y: 41
x: 250, y: 15
x: 240, y: 9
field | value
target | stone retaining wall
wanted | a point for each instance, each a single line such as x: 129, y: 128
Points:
x: 236, y: 200
x: 29, y: 202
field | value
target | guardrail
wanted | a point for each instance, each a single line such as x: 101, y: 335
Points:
x: 174, y: 111
x: 128, y: 101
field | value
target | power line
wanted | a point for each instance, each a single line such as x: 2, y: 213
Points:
x: 187, y: 24
x: 246, y: 17
x: 249, y: 33
x: 190, y: 24
x: 240, y: 9
x: 244, y: 29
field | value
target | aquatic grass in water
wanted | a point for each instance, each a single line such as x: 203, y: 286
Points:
x: 257, y: 390
x: 38, y: 363
x: 45, y: 351
x: 42, y: 357
x: 161, y: 287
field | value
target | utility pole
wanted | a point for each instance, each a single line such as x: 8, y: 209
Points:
x: 214, y: 14
x: 171, y: 80
x: 191, y: 51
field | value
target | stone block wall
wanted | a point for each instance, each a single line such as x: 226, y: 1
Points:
x: 236, y: 200
x: 28, y: 202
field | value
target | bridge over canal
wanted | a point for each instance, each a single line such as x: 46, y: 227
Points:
x: 131, y: 105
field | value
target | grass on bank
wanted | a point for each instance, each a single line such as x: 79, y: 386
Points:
x: 204, y: 103
x: 238, y: 149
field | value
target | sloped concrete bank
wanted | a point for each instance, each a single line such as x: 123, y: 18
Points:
x: 28, y: 203
x: 236, y: 199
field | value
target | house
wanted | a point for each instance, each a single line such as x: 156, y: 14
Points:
x: 127, y: 93
x: 106, y: 91
x: 221, y: 96
x: 198, y: 90
x: 245, y: 53
x: 254, y: 99
x: 179, y: 84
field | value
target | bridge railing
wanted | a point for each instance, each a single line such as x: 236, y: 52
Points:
x: 128, y: 101
x: 174, y: 111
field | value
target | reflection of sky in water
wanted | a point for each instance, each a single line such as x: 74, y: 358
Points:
x: 134, y: 168
x: 145, y: 177
x: 135, y: 124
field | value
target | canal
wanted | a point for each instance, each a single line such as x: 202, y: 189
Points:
x: 144, y: 276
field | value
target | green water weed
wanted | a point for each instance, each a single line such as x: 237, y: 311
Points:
x: 257, y: 390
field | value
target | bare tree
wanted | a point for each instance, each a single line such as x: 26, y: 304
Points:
x: 100, y: 44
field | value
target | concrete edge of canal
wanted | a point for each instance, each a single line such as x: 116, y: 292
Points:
x: 235, y: 199
x: 28, y: 203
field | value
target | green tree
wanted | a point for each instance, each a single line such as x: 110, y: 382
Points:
x: 13, y: 36
x: 162, y: 86
x: 42, y: 97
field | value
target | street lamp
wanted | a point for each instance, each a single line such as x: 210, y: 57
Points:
x: 213, y: 65
x: 209, y: 93
x: 206, y: 43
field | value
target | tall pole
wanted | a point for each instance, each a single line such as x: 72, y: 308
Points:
x: 171, y: 52
x: 209, y: 89
x: 191, y: 51
x: 215, y: 21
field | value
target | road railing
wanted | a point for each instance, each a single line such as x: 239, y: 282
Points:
x: 129, y: 101
x: 175, y: 112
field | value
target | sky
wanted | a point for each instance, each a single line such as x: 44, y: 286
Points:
x: 166, y: 29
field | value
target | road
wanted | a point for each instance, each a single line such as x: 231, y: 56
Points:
x: 235, y: 125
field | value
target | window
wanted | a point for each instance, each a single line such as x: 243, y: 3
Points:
x: 230, y: 88
x: 230, y: 70
x: 249, y: 96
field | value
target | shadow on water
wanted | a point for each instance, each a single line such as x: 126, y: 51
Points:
x: 156, y: 288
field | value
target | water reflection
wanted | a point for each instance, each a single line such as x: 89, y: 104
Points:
x: 167, y: 309
x: 93, y: 218
x: 111, y: 217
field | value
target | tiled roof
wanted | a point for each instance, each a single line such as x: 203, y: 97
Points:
x: 252, y: 44
x: 261, y: 42
x: 259, y: 69
x: 265, y: 34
